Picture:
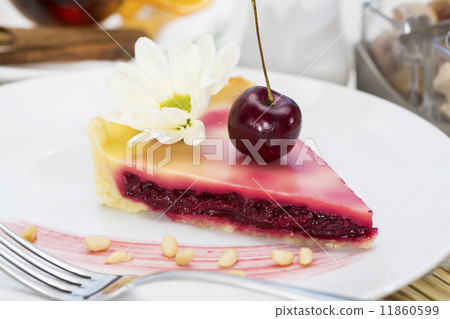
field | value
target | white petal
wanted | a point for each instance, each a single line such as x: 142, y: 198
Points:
x: 195, y: 134
x: 206, y: 78
x: 153, y: 62
x: 178, y: 73
x: 229, y: 55
x: 144, y: 119
x: 219, y: 76
x: 208, y: 47
x: 200, y: 105
x: 128, y: 95
x: 147, y: 49
x: 129, y: 72
x: 135, y: 74
x: 185, y: 45
x: 163, y: 136
x: 150, y: 119
x: 173, y: 117
x: 169, y: 136
x: 217, y: 86
x: 194, y: 63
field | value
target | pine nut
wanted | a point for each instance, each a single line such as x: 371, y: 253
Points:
x: 238, y: 273
x: 282, y: 257
x: 228, y: 258
x: 30, y: 233
x: 184, y: 257
x: 96, y: 243
x: 169, y: 246
x: 120, y: 256
x: 305, y: 256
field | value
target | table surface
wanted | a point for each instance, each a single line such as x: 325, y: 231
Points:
x: 434, y: 286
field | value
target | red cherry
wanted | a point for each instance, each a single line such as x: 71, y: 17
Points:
x: 273, y: 129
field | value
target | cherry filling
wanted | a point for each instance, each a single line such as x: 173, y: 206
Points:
x: 243, y: 213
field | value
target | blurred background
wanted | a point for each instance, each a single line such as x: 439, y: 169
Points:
x: 396, y: 49
x: 294, y: 32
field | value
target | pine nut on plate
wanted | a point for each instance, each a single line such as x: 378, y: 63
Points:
x: 96, y: 243
x: 30, y: 233
x: 120, y: 256
x: 169, y: 246
x: 228, y: 258
x: 184, y: 257
x: 305, y: 256
x: 282, y: 257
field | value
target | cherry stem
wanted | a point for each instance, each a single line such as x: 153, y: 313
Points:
x: 269, y: 91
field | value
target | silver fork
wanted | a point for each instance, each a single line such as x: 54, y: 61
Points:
x: 60, y: 280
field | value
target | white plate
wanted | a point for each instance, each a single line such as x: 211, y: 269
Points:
x: 398, y: 163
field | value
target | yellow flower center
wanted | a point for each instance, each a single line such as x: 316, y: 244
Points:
x: 182, y: 102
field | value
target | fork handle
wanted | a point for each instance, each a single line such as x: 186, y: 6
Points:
x: 275, y: 289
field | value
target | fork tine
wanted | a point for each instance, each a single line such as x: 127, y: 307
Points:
x: 42, y: 264
x: 42, y: 254
x: 31, y: 282
x: 35, y: 272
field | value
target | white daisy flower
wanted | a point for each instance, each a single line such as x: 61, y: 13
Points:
x: 164, y: 96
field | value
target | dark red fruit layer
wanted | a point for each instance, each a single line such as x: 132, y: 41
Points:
x: 240, y: 211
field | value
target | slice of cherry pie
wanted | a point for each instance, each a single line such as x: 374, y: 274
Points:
x: 211, y: 185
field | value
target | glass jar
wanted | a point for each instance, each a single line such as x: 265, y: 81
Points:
x: 439, y: 91
x: 399, y: 36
